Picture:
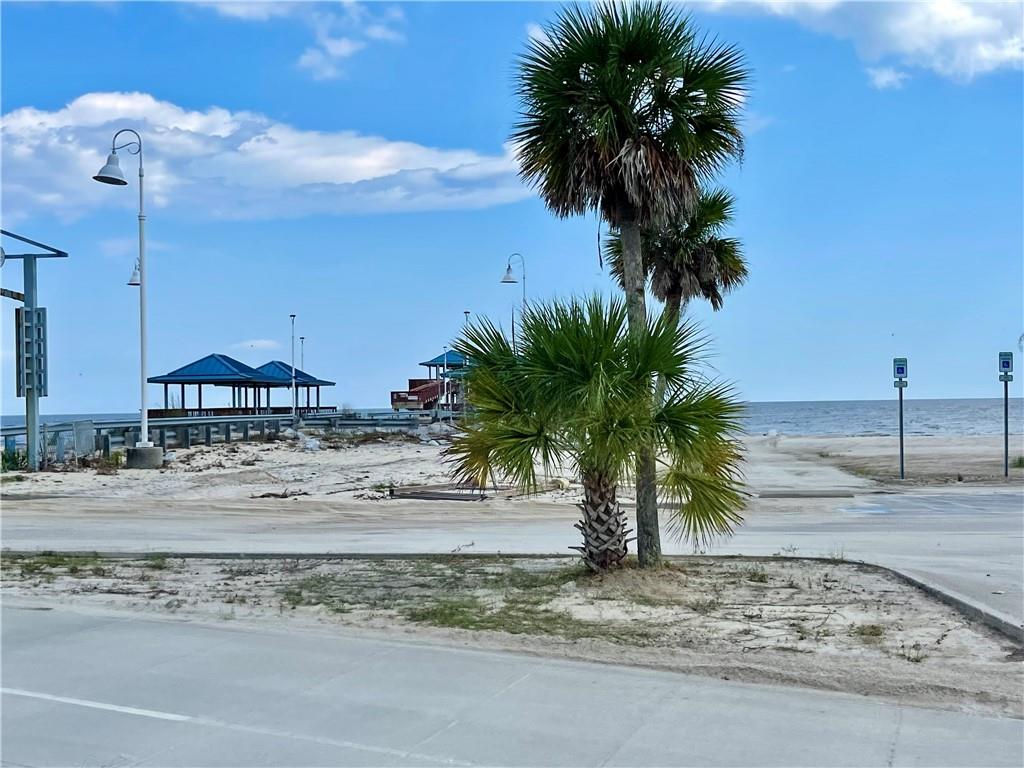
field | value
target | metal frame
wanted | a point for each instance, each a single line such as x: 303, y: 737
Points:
x: 30, y: 299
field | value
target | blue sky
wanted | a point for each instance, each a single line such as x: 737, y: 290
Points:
x: 349, y: 163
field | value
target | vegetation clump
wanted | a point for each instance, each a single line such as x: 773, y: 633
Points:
x: 575, y: 389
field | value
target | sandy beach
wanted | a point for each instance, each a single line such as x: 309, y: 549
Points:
x: 363, y: 469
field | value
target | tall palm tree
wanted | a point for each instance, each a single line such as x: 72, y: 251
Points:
x: 627, y: 108
x: 689, y: 259
x: 577, y: 393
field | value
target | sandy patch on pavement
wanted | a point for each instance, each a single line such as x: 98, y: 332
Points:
x: 831, y: 625
x: 929, y: 459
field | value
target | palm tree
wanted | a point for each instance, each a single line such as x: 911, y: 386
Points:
x: 627, y: 108
x: 689, y: 259
x: 577, y: 394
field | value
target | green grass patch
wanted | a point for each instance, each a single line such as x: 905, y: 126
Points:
x: 1018, y: 463
x: 869, y: 630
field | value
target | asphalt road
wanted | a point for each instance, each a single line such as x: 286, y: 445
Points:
x: 100, y: 689
x: 967, y: 541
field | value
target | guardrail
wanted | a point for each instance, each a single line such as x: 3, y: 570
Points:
x: 183, y: 432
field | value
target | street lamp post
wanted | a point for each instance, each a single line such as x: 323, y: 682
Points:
x: 146, y: 454
x: 302, y: 352
x: 295, y: 398
x: 510, y: 278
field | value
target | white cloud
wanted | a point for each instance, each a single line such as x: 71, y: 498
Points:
x: 253, y: 11
x: 536, y: 32
x: 340, y: 29
x: 755, y: 122
x: 117, y: 248
x: 217, y: 163
x: 886, y: 78
x: 257, y: 344
x: 956, y: 39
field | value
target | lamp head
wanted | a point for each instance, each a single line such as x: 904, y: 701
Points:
x: 135, y: 279
x: 111, y: 172
x: 509, y: 277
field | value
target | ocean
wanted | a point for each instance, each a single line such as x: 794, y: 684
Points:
x: 842, y: 417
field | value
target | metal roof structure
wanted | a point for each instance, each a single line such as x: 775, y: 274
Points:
x: 281, y: 373
x: 451, y: 358
x: 215, y: 369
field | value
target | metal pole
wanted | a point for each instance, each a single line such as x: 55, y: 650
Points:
x: 1006, y: 428
x: 302, y: 352
x: 294, y: 393
x: 31, y: 389
x: 144, y: 441
x: 902, y: 476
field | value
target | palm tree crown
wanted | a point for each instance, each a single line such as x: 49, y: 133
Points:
x: 626, y: 108
x: 690, y: 258
x: 577, y: 394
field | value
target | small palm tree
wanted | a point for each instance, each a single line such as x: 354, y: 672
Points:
x: 577, y: 393
x: 627, y: 108
x: 689, y: 259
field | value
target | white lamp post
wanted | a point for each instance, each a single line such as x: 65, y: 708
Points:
x: 295, y: 397
x: 111, y: 174
x: 510, y: 278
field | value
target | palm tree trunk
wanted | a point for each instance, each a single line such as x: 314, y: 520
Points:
x: 648, y: 533
x: 674, y: 308
x: 603, y: 525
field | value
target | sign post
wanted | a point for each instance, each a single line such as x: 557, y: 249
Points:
x: 1005, y: 376
x: 899, y: 372
x: 30, y: 334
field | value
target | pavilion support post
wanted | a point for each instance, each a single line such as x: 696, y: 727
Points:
x: 307, y: 397
x: 182, y: 403
x: 165, y: 397
x: 246, y: 397
x: 318, y: 396
x: 200, y: 388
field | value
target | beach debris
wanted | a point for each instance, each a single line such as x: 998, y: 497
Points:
x: 310, y: 444
x: 463, y: 546
x: 285, y: 494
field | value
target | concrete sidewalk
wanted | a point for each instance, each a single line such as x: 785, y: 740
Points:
x: 102, y: 689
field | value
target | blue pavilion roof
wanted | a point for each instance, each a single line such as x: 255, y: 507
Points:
x: 281, y: 373
x: 213, y: 369
x: 451, y: 358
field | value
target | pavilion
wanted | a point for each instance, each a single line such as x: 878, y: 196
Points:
x: 250, y: 387
x: 282, y: 372
x: 442, y: 387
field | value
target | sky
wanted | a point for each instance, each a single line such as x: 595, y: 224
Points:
x: 349, y: 163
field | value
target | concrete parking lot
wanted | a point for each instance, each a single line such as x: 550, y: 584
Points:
x: 100, y: 689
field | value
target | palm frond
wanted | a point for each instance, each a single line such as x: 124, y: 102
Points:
x: 626, y: 109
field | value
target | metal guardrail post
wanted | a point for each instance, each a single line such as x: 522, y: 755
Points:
x: 184, y: 435
x: 226, y: 429
x: 209, y: 434
x: 245, y: 430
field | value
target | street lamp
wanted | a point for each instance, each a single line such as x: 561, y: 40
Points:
x: 111, y: 174
x: 510, y: 278
x: 302, y: 352
x: 295, y: 398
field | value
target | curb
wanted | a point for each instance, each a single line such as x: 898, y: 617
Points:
x: 966, y: 608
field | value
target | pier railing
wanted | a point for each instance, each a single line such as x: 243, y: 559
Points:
x: 58, y: 440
